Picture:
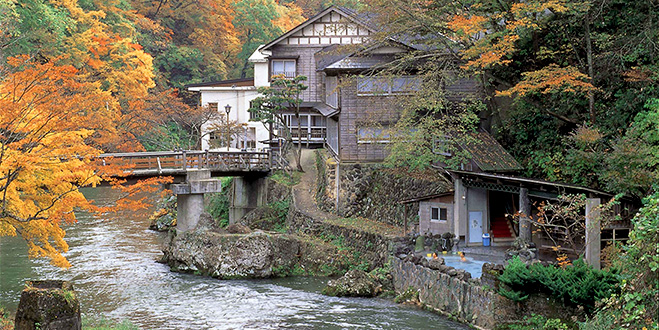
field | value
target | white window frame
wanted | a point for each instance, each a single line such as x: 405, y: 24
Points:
x: 331, y: 91
x: 439, y: 214
x: 287, y: 74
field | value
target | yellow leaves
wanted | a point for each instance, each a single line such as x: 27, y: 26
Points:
x: 551, y: 78
x: 46, y: 124
x: 467, y: 26
x: 491, y: 36
x: 290, y: 16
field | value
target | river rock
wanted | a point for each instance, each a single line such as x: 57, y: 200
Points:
x: 226, y: 256
x: 48, y: 305
x: 206, y: 222
x: 355, y: 283
x: 164, y: 217
x: 237, y: 228
x: 435, y: 263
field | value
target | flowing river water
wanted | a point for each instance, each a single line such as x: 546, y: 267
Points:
x: 116, y: 276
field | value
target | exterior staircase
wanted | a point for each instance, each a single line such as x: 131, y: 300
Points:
x: 502, y: 233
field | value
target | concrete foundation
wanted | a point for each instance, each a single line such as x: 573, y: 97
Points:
x: 190, y: 197
x: 247, y: 193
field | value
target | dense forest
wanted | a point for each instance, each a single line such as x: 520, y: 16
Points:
x: 572, y: 87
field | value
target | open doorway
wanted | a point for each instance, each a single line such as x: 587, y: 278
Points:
x: 503, y: 206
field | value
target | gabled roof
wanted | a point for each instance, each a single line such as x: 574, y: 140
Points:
x: 489, y: 155
x: 342, y: 57
x: 346, y: 13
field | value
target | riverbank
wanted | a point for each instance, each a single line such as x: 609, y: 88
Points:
x: 117, y: 278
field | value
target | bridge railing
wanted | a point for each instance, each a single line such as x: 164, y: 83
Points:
x: 182, y: 160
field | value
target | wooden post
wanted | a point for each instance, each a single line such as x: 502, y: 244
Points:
x: 185, y: 161
x: 593, y: 232
x: 404, y: 219
x: 525, y: 213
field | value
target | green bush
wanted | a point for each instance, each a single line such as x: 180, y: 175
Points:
x: 218, y: 203
x: 537, y: 322
x: 636, y: 306
x: 577, y: 285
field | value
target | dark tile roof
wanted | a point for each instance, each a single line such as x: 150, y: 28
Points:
x: 331, y: 54
x: 225, y: 83
x: 489, y: 155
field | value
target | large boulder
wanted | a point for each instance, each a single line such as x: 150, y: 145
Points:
x: 355, y: 283
x: 226, y: 256
x: 48, y: 305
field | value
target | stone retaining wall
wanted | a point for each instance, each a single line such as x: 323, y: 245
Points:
x: 450, y: 292
x: 372, y: 191
x: 373, y: 247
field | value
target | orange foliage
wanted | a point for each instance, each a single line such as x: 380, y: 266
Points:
x: 49, y: 113
x: 551, y: 79
x: 290, y: 16
x: 490, y: 36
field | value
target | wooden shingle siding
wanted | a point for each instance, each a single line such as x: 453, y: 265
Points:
x: 305, y: 66
x: 463, y: 89
x: 362, y: 111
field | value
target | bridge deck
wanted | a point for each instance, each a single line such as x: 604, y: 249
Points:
x: 178, y: 162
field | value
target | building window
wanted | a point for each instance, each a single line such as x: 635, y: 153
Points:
x: 387, y: 85
x: 373, y: 135
x: 331, y: 91
x: 439, y: 214
x: 252, y: 114
x: 283, y: 67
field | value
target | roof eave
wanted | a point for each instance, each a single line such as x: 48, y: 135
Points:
x: 313, y: 19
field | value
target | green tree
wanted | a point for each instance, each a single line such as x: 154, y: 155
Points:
x: 254, y: 20
x: 283, y: 95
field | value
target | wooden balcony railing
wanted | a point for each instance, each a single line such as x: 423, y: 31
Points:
x: 239, y: 161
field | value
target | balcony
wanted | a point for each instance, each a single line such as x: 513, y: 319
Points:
x: 286, y: 74
x: 310, y: 135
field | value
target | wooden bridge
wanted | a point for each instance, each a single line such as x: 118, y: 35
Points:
x: 176, y: 163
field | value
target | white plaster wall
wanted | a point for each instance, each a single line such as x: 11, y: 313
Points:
x: 261, y: 74
x: 238, y: 98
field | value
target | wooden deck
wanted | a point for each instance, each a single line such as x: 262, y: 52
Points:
x: 178, y: 162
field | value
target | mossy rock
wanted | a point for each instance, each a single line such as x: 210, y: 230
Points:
x: 355, y: 283
x: 48, y: 305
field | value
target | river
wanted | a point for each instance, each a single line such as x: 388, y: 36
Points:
x: 116, y: 276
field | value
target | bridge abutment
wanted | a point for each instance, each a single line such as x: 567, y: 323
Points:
x: 190, y: 197
x: 247, y: 193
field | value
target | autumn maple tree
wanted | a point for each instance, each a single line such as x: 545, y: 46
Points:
x: 44, y: 151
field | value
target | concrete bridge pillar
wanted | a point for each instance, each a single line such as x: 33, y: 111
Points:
x: 247, y: 193
x: 190, y: 197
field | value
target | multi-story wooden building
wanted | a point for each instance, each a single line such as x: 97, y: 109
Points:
x: 343, y: 108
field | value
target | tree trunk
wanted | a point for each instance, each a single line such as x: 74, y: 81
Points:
x: 589, y: 57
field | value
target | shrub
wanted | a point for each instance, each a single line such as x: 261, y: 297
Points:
x: 218, y: 203
x: 577, y: 285
x: 538, y: 322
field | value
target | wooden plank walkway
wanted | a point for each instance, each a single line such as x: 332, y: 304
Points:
x: 178, y: 162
